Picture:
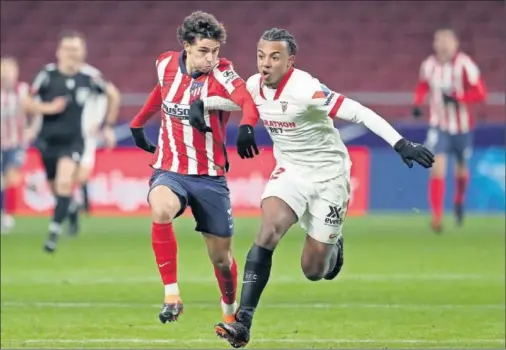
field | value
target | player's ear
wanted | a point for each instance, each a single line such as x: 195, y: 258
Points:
x: 291, y: 61
x: 186, y: 46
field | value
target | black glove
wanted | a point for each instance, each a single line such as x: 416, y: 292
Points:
x: 197, y: 116
x: 450, y: 100
x: 410, y: 152
x: 417, y: 112
x: 246, y: 142
x: 141, y: 140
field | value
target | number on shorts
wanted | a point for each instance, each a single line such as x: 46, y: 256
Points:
x: 277, y: 173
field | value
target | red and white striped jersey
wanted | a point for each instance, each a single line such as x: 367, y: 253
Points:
x: 459, y: 78
x: 13, y: 118
x: 182, y: 148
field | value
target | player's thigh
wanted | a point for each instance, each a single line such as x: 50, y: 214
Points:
x: 49, y: 161
x: 87, y: 162
x: 327, y: 210
x: 83, y: 173
x: 209, y: 200
x: 167, y: 196
x: 66, y: 168
x: 284, y: 202
x: 462, y: 149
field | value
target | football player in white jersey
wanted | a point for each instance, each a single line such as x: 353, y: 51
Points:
x: 100, y: 109
x: 311, y: 180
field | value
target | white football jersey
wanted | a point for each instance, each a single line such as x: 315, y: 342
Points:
x: 299, y: 118
x: 96, y: 106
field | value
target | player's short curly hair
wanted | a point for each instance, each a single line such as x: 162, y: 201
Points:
x: 201, y: 25
x: 276, y: 34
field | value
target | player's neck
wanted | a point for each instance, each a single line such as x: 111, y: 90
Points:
x: 66, y: 70
x: 189, y: 67
x: 446, y: 58
x: 7, y: 86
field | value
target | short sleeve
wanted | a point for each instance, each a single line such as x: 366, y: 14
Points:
x: 40, y: 83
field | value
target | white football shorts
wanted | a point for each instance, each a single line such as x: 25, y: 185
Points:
x: 320, y: 206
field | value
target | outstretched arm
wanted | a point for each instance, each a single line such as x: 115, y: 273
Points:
x: 338, y: 106
x: 151, y: 106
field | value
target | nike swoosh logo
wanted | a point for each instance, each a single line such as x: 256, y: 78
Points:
x: 164, y: 264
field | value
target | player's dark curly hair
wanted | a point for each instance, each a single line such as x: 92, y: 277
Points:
x: 201, y: 25
x: 275, y: 34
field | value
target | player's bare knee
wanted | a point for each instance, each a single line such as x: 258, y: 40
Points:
x: 63, y: 186
x: 439, y: 166
x: 222, y: 262
x: 314, y: 273
x: 12, y: 177
x: 314, y: 267
x: 314, y: 259
x: 164, y: 204
x: 219, y: 250
x: 83, y: 174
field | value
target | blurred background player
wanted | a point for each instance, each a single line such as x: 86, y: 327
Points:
x: 16, y: 135
x: 60, y: 140
x: 190, y: 164
x: 453, y: 81
x: 99, y: 109
x: 311, y: 181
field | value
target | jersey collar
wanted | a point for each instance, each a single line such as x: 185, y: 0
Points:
x: 182, y: 66
x: 281, y: 86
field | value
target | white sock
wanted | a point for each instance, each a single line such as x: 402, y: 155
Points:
x: 171, y: 289
x: 228, y: 309
x: 55, y: 227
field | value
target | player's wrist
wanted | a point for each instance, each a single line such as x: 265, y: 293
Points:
x: 399, y: 145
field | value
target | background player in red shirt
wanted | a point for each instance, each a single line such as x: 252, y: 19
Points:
x: 16, y: 134
x: 191, y: 160
x: 453, y: 81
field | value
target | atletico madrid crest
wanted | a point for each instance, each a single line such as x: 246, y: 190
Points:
x: 196, y: 89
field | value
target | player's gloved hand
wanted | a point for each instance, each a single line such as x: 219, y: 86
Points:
x: 141, y: 140
x: 417, y: 112
x: 197, y: 116
x: 410, y: 152
x: 246, y: 144
x: 450, y: 100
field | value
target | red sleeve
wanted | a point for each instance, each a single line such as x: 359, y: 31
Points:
x: 421, y: 90
x: 152, y: 105
x: 230, y: 85
x: 473, y: 93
